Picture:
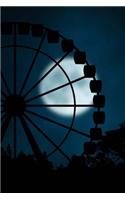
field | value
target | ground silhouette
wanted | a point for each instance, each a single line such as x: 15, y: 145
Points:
x: 104, y: 171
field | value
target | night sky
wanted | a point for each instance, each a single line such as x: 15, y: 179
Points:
x: 101, y: 33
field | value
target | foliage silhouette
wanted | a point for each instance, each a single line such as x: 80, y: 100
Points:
x: 103, y: 171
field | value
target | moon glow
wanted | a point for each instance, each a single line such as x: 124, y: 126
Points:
x: 64, y: 95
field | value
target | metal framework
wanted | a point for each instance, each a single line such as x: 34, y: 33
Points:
x: 16, y: 104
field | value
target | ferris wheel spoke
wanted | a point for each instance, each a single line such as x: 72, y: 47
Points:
x: 2, y: 111
x: 3, y: 103
x: 55, y: 89
x: 3, y: 93
x: 14, y: 135
x: 47, y: 137
x: 3, y: 117
x: 46, y: 74
x: 14, y: 53
x: 5, y: 83
x: 30, y: 138
x: 57, y: 123
x: 32, y: 64
x: 3, y: 100
x: 5, y: 126
x: 59, y: 105
x: 3, y: 106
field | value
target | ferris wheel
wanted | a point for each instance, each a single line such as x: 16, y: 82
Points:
x: 18, y: 86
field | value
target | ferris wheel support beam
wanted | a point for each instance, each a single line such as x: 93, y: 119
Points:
x: 2, y: 111
x: 48, y: 138
x: 30, y: 138
x: 3, y: 93
x: 14, y: 135
x: 3, y: 117
x: 5, y: 126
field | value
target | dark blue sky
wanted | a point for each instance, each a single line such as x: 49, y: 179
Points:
x: 100, y: 31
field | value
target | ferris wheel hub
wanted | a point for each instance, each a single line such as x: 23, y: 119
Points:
x: 15, y: 105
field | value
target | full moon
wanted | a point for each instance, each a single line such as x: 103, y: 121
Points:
x: 64, y: 95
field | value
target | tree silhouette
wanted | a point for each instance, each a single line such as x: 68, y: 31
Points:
x: 102, y: 171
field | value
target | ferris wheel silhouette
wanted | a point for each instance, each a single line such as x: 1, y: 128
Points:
x: 15, y: 103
